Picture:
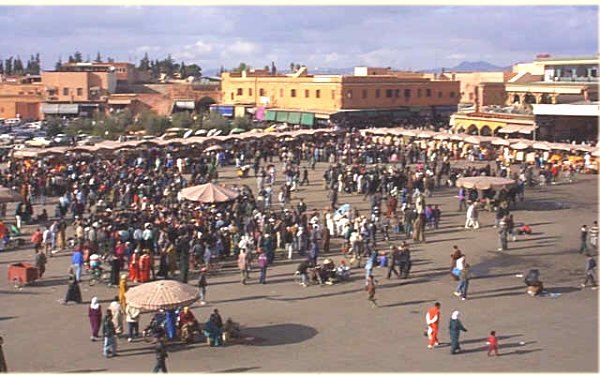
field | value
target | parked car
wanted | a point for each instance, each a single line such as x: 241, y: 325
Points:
x: 89, y: 140
x: 39, y: 142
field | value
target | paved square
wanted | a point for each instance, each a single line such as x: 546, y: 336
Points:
x: 333, y: 328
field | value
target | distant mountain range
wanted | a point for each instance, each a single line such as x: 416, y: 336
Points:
x: 471, y: 66
x: 465, y: 66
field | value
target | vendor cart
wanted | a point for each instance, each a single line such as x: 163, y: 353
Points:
x: 22, y: 274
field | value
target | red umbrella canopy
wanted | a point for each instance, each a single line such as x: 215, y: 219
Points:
x: 209, y: 193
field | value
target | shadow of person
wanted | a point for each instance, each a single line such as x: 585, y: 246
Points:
x: 278, y: 334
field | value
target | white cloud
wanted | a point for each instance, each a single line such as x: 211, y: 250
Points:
x: 203, y: 47
x: 242, y: 48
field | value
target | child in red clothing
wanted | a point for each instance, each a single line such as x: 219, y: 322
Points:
x: 492, y: 341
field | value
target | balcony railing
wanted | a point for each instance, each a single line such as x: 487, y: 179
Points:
x: 573, y: 79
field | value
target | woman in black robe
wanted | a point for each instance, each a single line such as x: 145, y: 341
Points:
x: 73, y: 292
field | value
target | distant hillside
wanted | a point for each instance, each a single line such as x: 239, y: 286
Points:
x: 471, y: 66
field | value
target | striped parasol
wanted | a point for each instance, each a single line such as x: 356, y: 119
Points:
x: 162, y: 294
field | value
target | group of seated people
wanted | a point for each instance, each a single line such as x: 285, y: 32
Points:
x: 183, y: 322
x: 322, y: 274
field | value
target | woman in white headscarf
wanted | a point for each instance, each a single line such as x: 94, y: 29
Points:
x: 95, y: 314
x: 455, y: 328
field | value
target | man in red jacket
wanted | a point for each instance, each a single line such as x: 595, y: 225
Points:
x: 433, y: 322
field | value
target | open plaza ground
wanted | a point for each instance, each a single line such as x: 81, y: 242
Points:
x: 333, y: 328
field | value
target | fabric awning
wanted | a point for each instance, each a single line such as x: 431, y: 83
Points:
x: 225, y: 111
x: 185, y: 104
x: 282, y: 116
x: 119, y: 101
x: 512, y: 128
x: 270, y: 115
x: 294, y: 117
x: 307, y: 119
x: 60, y: 109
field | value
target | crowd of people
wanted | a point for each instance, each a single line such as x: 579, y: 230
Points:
x: 125, y: 210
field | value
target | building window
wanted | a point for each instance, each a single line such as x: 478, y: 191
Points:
x: 293, y: 93
x: 240, y: 92
x: 439, y: 94
x: 377, y: 93
x: 407, y: 93
x: 428, y: 93
x: 65, y: 91
x: 317, y: 94
x: 364, y: 94
x: 397, y: 93
x: 306, y: 93
x: 333, y: 94
x: 389, y: 93
x: 419, y: 92
x: 261, y: 92
x: 349, y: 94
x: 281, y: 93
x: 250, y: 92
x: 452, y: 94
x: 79, y: 91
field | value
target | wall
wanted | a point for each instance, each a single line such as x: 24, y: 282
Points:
x: 27, y: 107
x: 337, y: 92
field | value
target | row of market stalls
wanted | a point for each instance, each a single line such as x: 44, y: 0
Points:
x: 385, y: 135
x: 212, y: 143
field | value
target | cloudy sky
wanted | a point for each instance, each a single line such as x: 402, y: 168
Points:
x: 404, y: 37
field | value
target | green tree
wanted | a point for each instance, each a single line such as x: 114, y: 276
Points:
x: 98, y: 57
x: 182, y: 120
x: 53, y: 126
x: 18, y: 66
x: 144, y: 63
x: 215, y: 121
x: 58, y: 65
x: 240, y: 68
x: 77, y: 57
x: 292, y: 67
x: 1, y: 66
x: 242, y: 122
x: 8, y: 65
x: 153, y: 124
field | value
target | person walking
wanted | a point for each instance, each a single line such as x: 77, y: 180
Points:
x: 371, y: 291
x: 492, y: 342
x: 202, y: 284
x: 132, y: 317
x: 117, y: 314
x: 503, y: 233
x: 593, y: 233
x: 3, y: 366
x: 455, y: 327
x: 73, y: 291
x: 242, y: 263
x: 108, y: 332
x: 590, y: 272
x: 95, y: 316
x: 122, y: 290
x: 472, y: 217
x: 463, y: 284
x: 77, y: 263
x: 433, y: 321
x: 393, y: 261
x: 462, y: 203
x: 584, y: 235
x: 263, y: 262
x: 40, y: 262
x: 160, y: 350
